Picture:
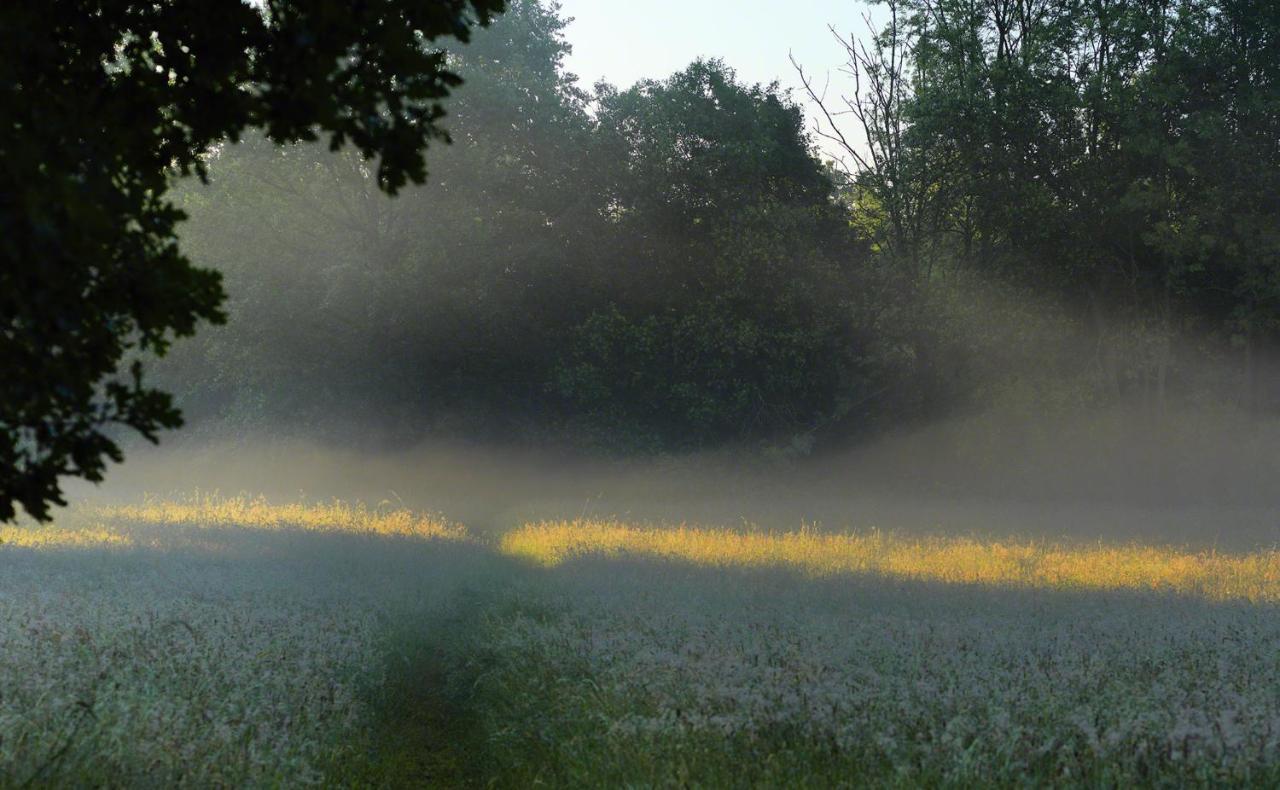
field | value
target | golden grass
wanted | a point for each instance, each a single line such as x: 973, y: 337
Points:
x: 35, y: 536
x: 1254, y: 577
x: 118, y: 526
x: 258, y: 513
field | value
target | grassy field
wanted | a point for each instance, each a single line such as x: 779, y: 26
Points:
x: 216, y: 641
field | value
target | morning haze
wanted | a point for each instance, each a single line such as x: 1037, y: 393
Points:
x: 619, y: 394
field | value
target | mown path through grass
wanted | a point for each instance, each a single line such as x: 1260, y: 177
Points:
x: 421, y: 733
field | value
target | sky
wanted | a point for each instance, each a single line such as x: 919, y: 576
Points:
x: 623, y: 41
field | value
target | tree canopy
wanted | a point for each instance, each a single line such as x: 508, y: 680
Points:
x: 101, y: 104
x: 1121, y: 156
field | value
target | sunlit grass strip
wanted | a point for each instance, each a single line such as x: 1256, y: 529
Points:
x: 257, y: 513
x: 1254, y: 577
x: 35, y: 536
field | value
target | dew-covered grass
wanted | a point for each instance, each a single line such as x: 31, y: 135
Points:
x: 240, y: 645
x: 633, y: 670
x: 235, y: 642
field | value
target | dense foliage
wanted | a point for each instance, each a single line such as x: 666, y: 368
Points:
x: 1048, y: 206
x: 1122, y: 156
x: 666, y: 266
x: 101, y: 103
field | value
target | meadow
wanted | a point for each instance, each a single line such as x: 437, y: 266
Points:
x: 230, y: 641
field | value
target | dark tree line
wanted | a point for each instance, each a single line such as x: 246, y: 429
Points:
x: 668, y: 266
x: 1069, y: 202
x: 1123, y: 155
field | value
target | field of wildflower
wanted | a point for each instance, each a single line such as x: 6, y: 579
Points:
x: 230, y: 641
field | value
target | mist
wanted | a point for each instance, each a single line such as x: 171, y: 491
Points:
x: 567, y: 320
x: 1100, y: 477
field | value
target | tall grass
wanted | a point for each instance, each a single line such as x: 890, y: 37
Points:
x: 213, y: 642
x: 959, y: 560
x: 232, y: 641
x: 213, y: 510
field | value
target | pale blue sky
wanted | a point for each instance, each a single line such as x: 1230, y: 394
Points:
x: 624, y: 41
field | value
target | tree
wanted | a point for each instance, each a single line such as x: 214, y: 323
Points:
x: 101, y: 104
x: 1117, y: 154
x: 459, y: 284
x: 724, y: 310
x: 672, y: 270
